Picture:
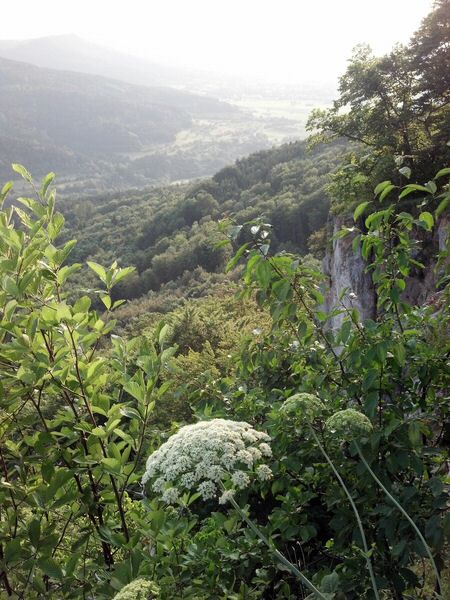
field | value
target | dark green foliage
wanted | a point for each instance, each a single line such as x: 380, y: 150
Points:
x: 81, y: 409
x: 394, y: 370
x: 169, y: 232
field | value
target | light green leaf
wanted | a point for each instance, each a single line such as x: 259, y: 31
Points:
x: 46, y: 182
x: 405, y: 171
x: 22, y: 172
x: 98, y: 270
x: 235, y: 259
x: 381, y: 186
x: 412, y: 187
x: 427, y: 218
x: 359, y: 210
x: 387, y: 190
x: 442, y: 172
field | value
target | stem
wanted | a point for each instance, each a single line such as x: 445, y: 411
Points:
x: 117, y: 496
x: 405, y: 514
x: 292, y: 568
x: 4, y: 575
x: 355, y: 510
x: 105, y: 546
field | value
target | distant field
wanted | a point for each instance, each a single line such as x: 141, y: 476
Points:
x: 281, y: 119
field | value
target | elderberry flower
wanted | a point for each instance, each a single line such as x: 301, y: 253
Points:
x: 349, y: 424
x: 202, y: 456
x: 139, y: 589
x: 263, y: 473
x: 170, y: 495
x: 265, y: 449
x: 240, y: 479
x: 303, y: 407
x: 207, y: 489
x: 245, y: 457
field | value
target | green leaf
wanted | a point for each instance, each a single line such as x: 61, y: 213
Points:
x: 359, y: 210
x: 12, y: 550
x: 82, y: 305
x: 121, y: 274
x: 134, y: 389
x: 330, y: 583
x: 263, y: 273
x: 443, y: 205
x: 442, y: 172
x: 414, y: 432
x: 345, y: 331
x: 112, y: 465
x: 164, y: 334
x: 281, y: 289
x: 34, y: 532
x: 381, y: 186
x: 427, y: 218
x: 98, y: 270
x: 412, y: 187
x: 221, y: 244
x: 5, y: 189
x: 50, y: 567
x: 106, y: 299
x: 22, y: 172
x: 387, y: 190
x: 405, y: 171
x: 66, y: 272
x: 131, y: 413
x: 430, y: 185
x: 399, y: 353
x: 46, y: 182
x: 235, y: 259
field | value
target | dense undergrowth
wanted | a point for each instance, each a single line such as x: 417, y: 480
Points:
x: 79, y: 417
x: 243, y: 448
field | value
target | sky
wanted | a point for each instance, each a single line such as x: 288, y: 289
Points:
x: 285, y: 41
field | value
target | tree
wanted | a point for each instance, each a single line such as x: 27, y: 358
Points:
x: 397, y: 105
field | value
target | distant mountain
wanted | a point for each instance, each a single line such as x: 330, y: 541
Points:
x: 72, y: 53
x: 85, y: 126
x: 104, y: 120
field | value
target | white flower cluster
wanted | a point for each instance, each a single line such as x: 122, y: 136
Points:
x: 201, y: 456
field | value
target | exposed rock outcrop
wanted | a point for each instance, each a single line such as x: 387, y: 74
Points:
x: 350, y: 283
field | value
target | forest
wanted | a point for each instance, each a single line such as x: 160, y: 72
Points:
x: 184, y: 416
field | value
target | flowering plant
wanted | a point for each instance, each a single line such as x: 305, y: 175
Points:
x: 203, y: 456
x: 303, y: 407
x: 139, y: 589
x: 349, y: 425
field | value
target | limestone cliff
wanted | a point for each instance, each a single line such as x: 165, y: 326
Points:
x: 348, y: 276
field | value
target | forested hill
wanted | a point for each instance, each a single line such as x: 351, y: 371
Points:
x: 170, y: 232
x: 105, y: 133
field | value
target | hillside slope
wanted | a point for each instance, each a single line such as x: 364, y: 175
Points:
x: 169, y: 234
x: 102, y: 133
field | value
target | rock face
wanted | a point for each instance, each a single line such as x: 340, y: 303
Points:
x: 346, y: 270
x: 347, y: 274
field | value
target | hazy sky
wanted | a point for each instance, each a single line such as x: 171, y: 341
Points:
x: 278, y: 40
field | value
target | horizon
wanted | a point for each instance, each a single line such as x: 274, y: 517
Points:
x: 180, y: 42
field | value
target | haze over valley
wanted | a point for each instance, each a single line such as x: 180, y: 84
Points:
x: 106, y: 120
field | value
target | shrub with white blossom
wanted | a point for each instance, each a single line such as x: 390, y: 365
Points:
x: 204, y: 456
x: 139, y: 589
x: 349, y: 425
x: 303, y: 407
